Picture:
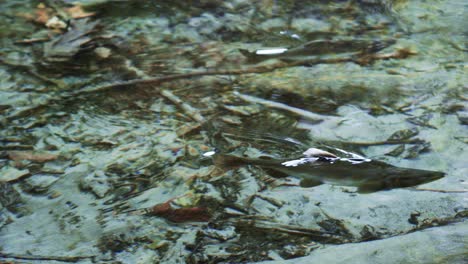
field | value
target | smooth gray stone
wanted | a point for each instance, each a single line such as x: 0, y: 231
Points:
x: 446, y: 244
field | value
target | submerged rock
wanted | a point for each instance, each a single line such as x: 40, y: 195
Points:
x: 97, y: 182
x: 463, y: 117
x: 445, y: 244
x: 9, y: 196
x: 8, y: 173
x: 127, y: 149
x: 39, y: 183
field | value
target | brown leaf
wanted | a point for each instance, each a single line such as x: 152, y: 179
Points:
x: 179, y: 215
x: 42, y: 14
x: 31, y: 156
x: 78, y: 12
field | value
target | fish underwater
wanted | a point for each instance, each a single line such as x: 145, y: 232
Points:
x: 318, y: 167
x: 319, y: 48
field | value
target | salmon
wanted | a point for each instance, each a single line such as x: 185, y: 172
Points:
x: 318, y: 167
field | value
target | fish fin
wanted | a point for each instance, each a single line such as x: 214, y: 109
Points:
x: 309, y: 183
x: 371, y: 187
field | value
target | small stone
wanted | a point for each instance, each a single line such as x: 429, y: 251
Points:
x: 396, y: 151
x: 183, y: 32
x: 96, y: 182
x: 463, y: 117
x: 274, y: 255
x: 8, y: 195
x: 39, y: 183
x: 56, y: 23
x: 8, y: 174
x: 275, y: 23
x: 223, y: 235
x: 159, y: 245
x: 205, y: 148
x: 414, y: 151
x: 243, y: 110
x: 54, y: 194
x: 233, y: 120
x: 309, y: 25
x: 102, y: 52
x: 206, y: 24
x: 403, y: 134
x: 192, y: 151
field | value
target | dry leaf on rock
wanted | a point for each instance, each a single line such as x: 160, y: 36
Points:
x: 42, y: 14
x: 31, y: 156
x: 78, y: 12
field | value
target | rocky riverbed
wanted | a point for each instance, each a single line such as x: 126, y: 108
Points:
x: 108, y: 107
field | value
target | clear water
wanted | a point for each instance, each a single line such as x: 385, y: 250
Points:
x: 87, y: 152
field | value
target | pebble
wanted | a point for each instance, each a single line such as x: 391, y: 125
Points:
x: 8, y: 174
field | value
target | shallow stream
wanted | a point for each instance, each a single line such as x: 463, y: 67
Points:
x: 110, y: 112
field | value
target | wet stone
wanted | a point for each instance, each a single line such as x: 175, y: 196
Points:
x: 463, y: 117
x: 8, y: 195
x: 97, y: 182
x: 293, y: 251
x: 222, y: 235
x: 205, y: 24
x: 403, y: 134
x: 377, y: 74
x: 448, y: 244
x: 39, y: 183
x: 233, y: 120
x: 396, y: 151
x: 274, y: 23
x: 310, y: 25
x: 423, y: 120
x: 414, y: 151
x: 242, y: 110
x: 8, y: 173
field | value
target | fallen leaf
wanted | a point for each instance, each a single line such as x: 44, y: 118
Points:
x: 179, y: 215
x: 16, y: 156
x: 78, y: 12
x: 56, y: 23
x: 42, y: 14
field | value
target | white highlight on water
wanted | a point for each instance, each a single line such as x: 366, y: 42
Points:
x: 271, y: 51
x: 209, y: 153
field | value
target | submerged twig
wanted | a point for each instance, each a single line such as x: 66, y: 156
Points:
x: 272, y: 104
x: 63, y: 98
x: 387, y: 142
x: 168, y: 78
x: 439, y: 191
x: 36, y: 257
x: 318, y: 235
x: 188, y: 109
x: 32, y: 40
